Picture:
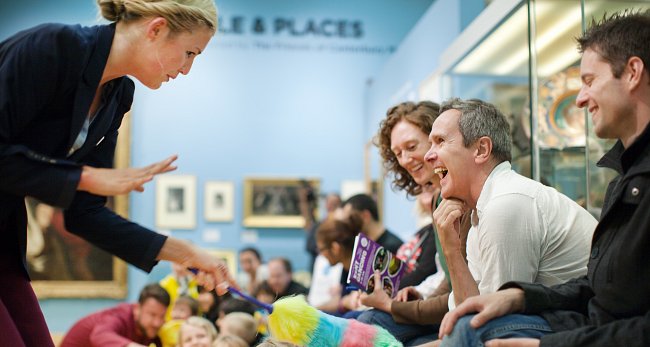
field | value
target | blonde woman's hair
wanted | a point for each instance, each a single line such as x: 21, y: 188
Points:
x: 240, y: 324
x: 230, y: 341
x: 198, y: 322
x: 181, y: 15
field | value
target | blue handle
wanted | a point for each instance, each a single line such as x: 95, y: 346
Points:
x: 267, y: 307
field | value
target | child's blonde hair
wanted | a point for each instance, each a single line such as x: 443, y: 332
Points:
x: 230, y: 341
x: 198, y: 322
x: 239, y: 324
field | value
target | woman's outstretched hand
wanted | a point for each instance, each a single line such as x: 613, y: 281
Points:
x: 109, y: 182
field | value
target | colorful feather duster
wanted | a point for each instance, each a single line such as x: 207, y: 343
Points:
x: 292, y: 319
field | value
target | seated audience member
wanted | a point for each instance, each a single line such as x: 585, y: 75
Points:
x: 325, y: 281
x: 230, y: 341
x: 420, y: 251
x: 265, y: 294
x: 197, y: 332
x: 209, y: 304
x: 521, y: 229
x: 366, y: 207
x: 335, y: 240
x: 231, y: 304
x: 403, y: 143
x: 610, y: 305
x: 123, y: 325
x: 179, y: 282
x: 253, y: 271
x: 308, y: 204
x: 184, y: 308
x: 239, y: 324
x: 281, y: 279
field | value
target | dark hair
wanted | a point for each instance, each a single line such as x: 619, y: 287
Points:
x: 363, y: 202
x: 156, y: 292
x: 252, y: 250
x: 619, y: 37
x: 479, y: 118
x: 285, y: 262
x: 422, y: 115
x: 213, y: 312
x: 230, y: 305
x: 189, y: 301
x: 263, y: 288
x: 341, y: 231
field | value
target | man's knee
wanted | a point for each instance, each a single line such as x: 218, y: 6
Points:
x: 373, y: 317
x: 460, y: 332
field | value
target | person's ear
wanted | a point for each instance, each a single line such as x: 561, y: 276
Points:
x: 634, y: 72
x: 136, y: 311
x: 156, y: 28
x: 483, y: 150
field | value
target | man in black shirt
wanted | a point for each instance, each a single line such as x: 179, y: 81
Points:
x: 366, y: 207
x: 281, y: 279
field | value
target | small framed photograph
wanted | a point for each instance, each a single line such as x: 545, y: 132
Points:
x: 219, y: 201
x: 275, y: 202
x: 176, y: 202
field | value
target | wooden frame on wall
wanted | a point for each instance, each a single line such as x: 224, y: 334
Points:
x: 275, y: 202
x: 102, y: 275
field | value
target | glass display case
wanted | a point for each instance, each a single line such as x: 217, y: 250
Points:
x: 526, y: 62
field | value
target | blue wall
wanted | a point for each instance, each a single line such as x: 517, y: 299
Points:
x: 256, y: 104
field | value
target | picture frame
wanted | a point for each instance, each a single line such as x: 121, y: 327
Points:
x: 81, y: 270
x: 228, y: 256
x: 275, y: 202
x: 219, y: 204
x: 176, y: 201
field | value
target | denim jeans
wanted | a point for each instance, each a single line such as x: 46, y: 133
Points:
x: 510, y: 326
x: 408, y: 334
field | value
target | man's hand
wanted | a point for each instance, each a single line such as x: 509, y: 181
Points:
x: 488, y: 306
x: 378, y: 298
x: 109, y: 182
x: 447, y: 219
x: 523, y: 342
x: 407, y: 294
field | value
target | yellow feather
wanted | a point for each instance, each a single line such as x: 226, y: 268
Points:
x: 293, y: 320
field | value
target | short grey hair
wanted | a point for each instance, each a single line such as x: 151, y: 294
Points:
x: 479, y: 118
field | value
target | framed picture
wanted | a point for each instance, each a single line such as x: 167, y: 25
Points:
x: 176, y: 201
x: 228, y: 257
x: 275, y: 202
x: 62, y: 265
x: 219, y: 201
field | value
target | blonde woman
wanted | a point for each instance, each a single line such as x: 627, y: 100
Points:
x: 63, y: 93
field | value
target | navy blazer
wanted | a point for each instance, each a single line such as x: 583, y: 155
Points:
x: 48, y: 78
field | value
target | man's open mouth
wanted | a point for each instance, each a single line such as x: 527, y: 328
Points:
x: 440, y: 171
